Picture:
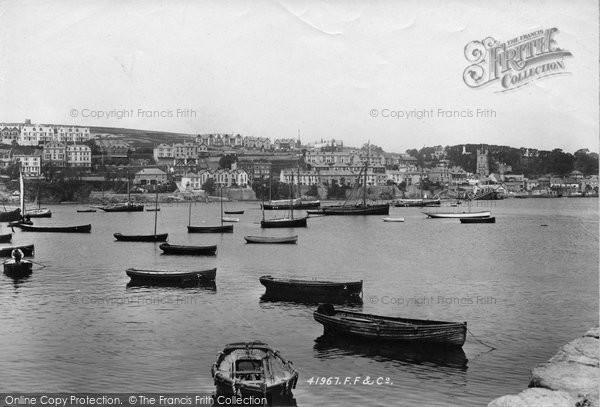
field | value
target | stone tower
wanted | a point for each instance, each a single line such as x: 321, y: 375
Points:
x: 483, y: 167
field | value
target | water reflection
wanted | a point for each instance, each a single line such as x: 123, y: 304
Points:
x: 350, y: 302
x: 415, y: 354
x: 194, y: 286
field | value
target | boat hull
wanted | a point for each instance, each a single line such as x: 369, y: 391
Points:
x: 10, y: 216
x: 210, y: 229
x: 6, y: 238
x: 491, y: 219
x: 161, y: 237
x: 312, y: 290
x: 39, y: 213
x: 416, y: 203
x: 455, y: 215
x: 163, y: 277
x: 28, y: 250
x: 393, y: 219
x: 253, y: 369
x: 188, y: 250
x: 271, y: 239
x: 123, y: 208
x: 284, y: 223
x: 18, y: 269
x: 373, y: 327
x: 296, y: 205
x: 233, y: 212
x: 356, y: 210
x: 56, y: 229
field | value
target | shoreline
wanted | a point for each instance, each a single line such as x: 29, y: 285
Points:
x: 569, y: 378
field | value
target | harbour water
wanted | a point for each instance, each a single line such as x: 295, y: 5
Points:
x: 524, y: 288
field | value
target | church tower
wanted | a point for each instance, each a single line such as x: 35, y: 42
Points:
x: 483, y: 167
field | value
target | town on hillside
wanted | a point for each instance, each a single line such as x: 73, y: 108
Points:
x: 196, y: 164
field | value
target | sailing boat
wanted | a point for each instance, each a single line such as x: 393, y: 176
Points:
x: 161, y: 237
x: 209, y: 229
x: 16, y: 215
x: 39, y: 212
x: 359, y: 208
x: 290, y: 222
x: 126, y: 206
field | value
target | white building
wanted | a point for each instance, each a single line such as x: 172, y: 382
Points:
x: 32, y: 135
x: 79, y: 156
x: 72, y: 134
x: 31, y: 162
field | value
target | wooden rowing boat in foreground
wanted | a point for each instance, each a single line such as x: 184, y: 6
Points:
x: 20, y: 268
x: 253, y: 369
x: 56, y: 229
x: 190, y: 250
x: 170, y: 277
x: 375, y: 327
x: 293, y: 289
x: 272, y: 239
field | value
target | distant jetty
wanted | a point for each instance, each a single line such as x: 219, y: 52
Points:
x: 570, y: 378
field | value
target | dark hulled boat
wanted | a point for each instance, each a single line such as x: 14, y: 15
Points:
x: 284, y: 223
x: 170, y: 277
x: 253, y: 369
x: 20, y: 268
x: 160, y: 237
x: 209, y: 250
x: 233, y: 212
x: 375, y: 327
x: 297, y: 204
x: 489, y: 219
x: 271, y: 239
x: 10, y: 216
x: 123, y: 207
x: 56, y: 229
x: 85, y: 210
x: 293, y: 289
x: 28, y: 250
x: 358, y: 209
x: 6, y: 238
x: 210, y: 229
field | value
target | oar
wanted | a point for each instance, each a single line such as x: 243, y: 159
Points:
x: 39, y: 264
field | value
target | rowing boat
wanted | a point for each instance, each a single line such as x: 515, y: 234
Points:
x: 181, y: 249
x: 56, y: 229
x: 294, y: 289
x: 170, y: 277
x: 272, y: 239
x: 375, y: 327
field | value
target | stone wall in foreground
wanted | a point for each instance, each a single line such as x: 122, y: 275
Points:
x: 571, y: 378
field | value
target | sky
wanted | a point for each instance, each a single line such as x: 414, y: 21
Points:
x: 315, y: 69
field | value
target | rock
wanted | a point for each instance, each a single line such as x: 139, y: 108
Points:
x: 594, y: 333
x: 535, y: 397
x: 584, y: 350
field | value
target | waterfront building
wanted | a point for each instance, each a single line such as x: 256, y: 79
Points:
x: 150, y: 176
x: 221, y: 177
x: 79, y: 155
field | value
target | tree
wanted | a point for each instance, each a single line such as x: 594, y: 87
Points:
x: 209, y: 186
x: 226, y: 161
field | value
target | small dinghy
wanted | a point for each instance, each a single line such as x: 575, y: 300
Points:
x: 161, y: 237
x: 56, y: 229
x: 225, y: 219
x: 271, y: 239
x: 303, y: 290
x: 17, y: 267
x: 170, y: 277
x: 491, y: 219
x: 190, y: 250
x: 253, y: 369
x: 393, y: 219
x: 233, y: 212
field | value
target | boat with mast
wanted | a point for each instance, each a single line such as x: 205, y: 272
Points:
x: 285, y: 222
x: 161, y: 237
x: 209, y: 229
x: 39, y: 212
x: 361, y: 208
x: 126, y: 206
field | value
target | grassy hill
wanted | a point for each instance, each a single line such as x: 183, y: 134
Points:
x: 144, y: 138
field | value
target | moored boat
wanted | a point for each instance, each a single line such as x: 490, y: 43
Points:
x: 159, y: 237
x: 56, y: 229
x: 375, y: 327
x: 210, y: 229
x: 19, y: 268
x: 85, y: 210
x: 233, y: 212
x: 170, y: 277
x: 441, y: 215
x: 190, y: 250
x: 358, y: 209
x: 272, y: 239
x: 28, y: 250
x: 284, y: 223
x: 6, y: 238
x: 39, y: 213
x: 295, y: 289
x: 10, y: 216
x: 123, y: 207
x: 296, y: 204
x: 391, y: 219
x: 490, y: 219
x: 253, y: 369
x: 226, y: 219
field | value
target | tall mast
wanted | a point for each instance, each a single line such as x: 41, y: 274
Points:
x: 292, y: 195
x: 22, y: 190
x: 365, y: 176
x: 156, y: 208
x: 262, y: 195
x: 221, y: 205
x: 190, y: 214
x: 270, y: 186
x: 128, y: 193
